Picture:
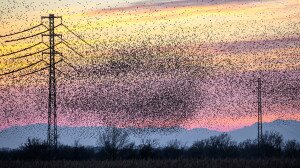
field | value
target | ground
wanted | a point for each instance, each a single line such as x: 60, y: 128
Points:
x: 178, y: 163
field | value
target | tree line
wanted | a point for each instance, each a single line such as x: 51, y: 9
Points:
x: 114, y: 144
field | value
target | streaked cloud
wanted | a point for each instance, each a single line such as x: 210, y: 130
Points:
x: 163, y: 63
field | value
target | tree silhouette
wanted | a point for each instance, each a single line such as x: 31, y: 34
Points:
x: 111, y: 141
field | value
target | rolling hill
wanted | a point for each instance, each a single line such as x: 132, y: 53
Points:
x: 13, y: 137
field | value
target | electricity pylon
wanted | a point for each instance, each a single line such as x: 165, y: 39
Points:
x: 52, y: 114
x: 52, y: 107
x: 259, y: 123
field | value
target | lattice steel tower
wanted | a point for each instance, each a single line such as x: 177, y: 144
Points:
x: 52, y: 114
x: 51, y: 62
x: 259, y: 123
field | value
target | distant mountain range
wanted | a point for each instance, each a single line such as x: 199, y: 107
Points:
x: 13, y: 137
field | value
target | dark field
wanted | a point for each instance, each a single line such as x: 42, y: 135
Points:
x: 185, y: 163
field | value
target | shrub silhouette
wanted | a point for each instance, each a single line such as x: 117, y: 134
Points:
x: 34, y: 149
x: 111, y: 141
x: 272, y: 143
x: 248, y: 149
x: 220, y: 146
x: 114, y: 144
x: 147, y: 149
x: 292, y: 149
x: 173, y: 150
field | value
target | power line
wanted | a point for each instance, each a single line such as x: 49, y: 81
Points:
x: 32, y: 72
x: 38, y: 52
x: 41, y: 69
x: 72, y: 33
x: 28, y: 55
x: 69, y: 64
x: 66, y: 44
x: 21, y: 31
x: 52, y: 115
x: 57, y: 68
x: 63, y: 73
x: 23, y: 38
x: 76, y: 35
x: 14, y: 71
x: 21, y: 50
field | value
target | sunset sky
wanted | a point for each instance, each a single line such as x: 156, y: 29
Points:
x: 188, y: 63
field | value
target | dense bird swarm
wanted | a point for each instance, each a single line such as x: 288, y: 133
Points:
x: 142, y: 76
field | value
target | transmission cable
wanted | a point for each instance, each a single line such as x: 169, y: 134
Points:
x: 69, y: 64
x: 14, y: 71
x: 72, y: 66
x: 28, y: 55
x: 21, y: 31
x: 66, y: 44
x: 36, y: 70
x: 21, y: 50
x: 31, y: 72
x: 76, y: 35
x: 61, y: 60
x: 23, y: 38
